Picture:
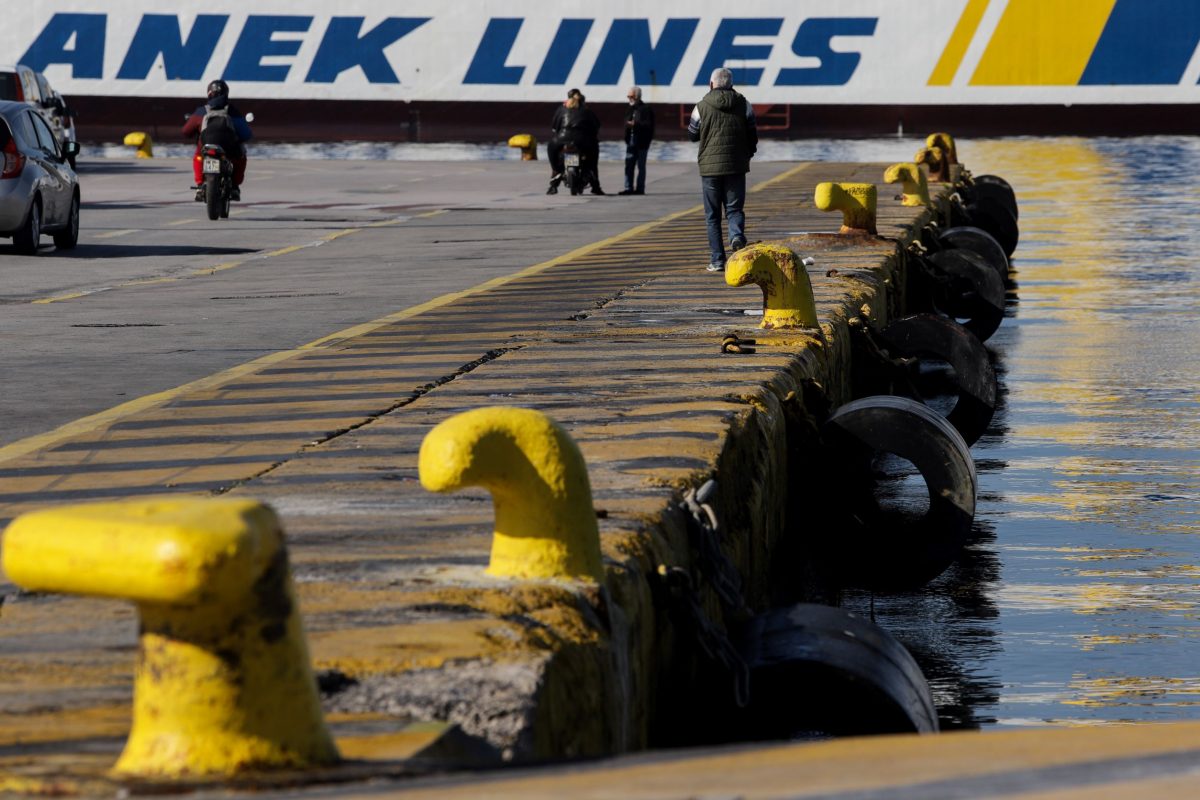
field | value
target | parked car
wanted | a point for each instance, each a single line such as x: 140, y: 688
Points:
x: 19, y: 82
x: 39, y: 192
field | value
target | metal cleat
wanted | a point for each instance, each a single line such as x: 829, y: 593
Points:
x: 545, y: 522
x: 913, y: 184
x: 856, y: 201
x: 223, y: 684
x: 780, y: 272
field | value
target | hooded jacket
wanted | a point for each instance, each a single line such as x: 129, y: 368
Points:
x: 724, y: 125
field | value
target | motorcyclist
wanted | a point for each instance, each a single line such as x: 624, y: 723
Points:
x: 575, y: 123
x: 219, y: 122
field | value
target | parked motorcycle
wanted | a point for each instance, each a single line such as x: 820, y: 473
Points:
x: 576, y: 168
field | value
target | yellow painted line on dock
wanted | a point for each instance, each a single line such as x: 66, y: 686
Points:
x: 108, y: 417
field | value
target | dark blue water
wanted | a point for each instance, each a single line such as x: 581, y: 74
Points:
x: 1077, y: 604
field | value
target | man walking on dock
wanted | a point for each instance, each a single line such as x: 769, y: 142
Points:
x: 723, y: 123
x: 639, y: 132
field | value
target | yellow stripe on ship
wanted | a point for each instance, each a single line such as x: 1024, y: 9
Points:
x: 1042, y: 43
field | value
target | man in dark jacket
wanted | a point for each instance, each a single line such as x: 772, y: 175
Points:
x: 226, y: 126
x: 723, y: 123
x: 639, y: 132
x: 574, y: 123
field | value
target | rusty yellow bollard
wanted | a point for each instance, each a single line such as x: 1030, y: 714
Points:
x: 787, y: 291
x: 913, y: 184
x: 528, y: 144
x: 545, y: 522
x: 946, y: 142
x: 856, y: 201
x: 140, y: 140
x: 935, y: 159
x: 223, y: 682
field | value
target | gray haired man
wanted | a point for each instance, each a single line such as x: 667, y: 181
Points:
x: 723, y: 123
x: 639, y: 133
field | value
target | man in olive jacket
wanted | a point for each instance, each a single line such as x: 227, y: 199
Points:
x: 723, y: 123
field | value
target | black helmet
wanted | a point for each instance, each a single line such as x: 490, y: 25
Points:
x: 218, y: 87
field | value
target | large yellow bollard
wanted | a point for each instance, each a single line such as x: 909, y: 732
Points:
x: 856, y: 201
x: 140, y: 140
x: 545, y: 521
x: 223, y: 683
x: 946, y: 142
x: 935, y: 159
x: 528, y: 144
x: 787, y: 291
x: 913, y: 184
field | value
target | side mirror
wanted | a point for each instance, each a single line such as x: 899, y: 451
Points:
x: 70, y: 149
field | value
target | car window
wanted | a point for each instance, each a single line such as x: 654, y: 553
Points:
x: 45, y: 137
x: 9, y: 86
x: 5, y: 134
x: 23, y: 129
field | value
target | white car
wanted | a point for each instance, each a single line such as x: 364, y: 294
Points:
x: 39, y: 191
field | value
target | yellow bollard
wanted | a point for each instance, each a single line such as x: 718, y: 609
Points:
x: 935, y: 159
x: 528, y: 144
x: 913, y: 184
x: 223, y: 683
x: 856, y: 201
x: 946, y: 142
x: 787, y: 291
x: 140, y: 140
x: 545, y: 522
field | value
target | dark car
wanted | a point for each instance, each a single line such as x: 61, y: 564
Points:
x: 39, y: 192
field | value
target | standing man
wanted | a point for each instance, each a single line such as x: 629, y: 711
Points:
x: 723, y: 123
x: 639, y: 132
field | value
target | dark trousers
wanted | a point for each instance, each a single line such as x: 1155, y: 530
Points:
x: 635, y: 158
x: 726, y: 192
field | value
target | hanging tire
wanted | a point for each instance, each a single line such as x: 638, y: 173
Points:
x: 819, y: 669
x: 995, y: 218
x: 1002, y: 194
x: 969, y: 291
x: 996, y: 183
x: 883, y: 548
x: 212, y: 196
x: 928, y: 336
x: 979, y: 241
x: 68, y: 237
x: 27, y: 239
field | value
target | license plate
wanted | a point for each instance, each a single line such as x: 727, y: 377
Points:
x: 212, y: 165
x: 571, y: 159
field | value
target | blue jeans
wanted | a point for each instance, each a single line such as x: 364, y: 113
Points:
x: 728, y: 192
x: 635, y: 157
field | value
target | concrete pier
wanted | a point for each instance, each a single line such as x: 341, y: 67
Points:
x: 618, y: 340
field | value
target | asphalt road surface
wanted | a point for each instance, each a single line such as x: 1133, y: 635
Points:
x: 156, y: 295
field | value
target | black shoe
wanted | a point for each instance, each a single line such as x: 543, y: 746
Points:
x: 737, y: 243
x: 640, y: 191
x: 627, y: 191
x: 236, y: 194
x: 552, y: 190
x: 200, y: 193
x: 597, y: 190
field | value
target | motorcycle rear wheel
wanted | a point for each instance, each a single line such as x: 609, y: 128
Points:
x: 212, y: 196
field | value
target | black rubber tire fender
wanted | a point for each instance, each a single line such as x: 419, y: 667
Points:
x: 887, y: 551
x: 980, y: 241
x: 68, y: 237
x: 212, y: 196
x: 994, y: 217
x: 930, y: 336
x: 971, y: 291
x: 825, y: 668
x: 1001, y: 193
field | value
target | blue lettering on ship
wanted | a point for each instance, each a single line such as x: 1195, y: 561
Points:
x: 743, y: 44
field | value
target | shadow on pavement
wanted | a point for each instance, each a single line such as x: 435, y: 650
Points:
x: 143, y: 250
x: 120, y: 167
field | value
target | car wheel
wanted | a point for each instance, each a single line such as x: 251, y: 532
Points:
x: 68, y: 237
x: 26, y: 240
